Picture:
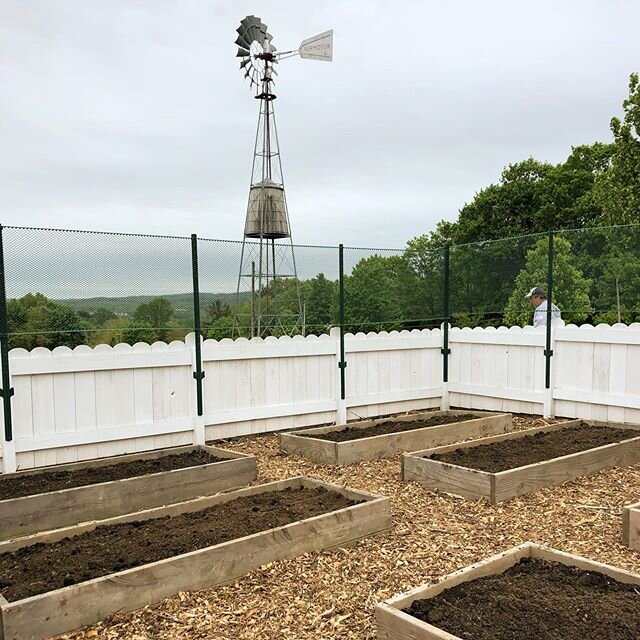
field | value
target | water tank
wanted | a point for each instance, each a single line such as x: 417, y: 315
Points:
x: 266, y: 212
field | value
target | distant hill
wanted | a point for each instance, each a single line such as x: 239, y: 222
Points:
x: 128, y: 304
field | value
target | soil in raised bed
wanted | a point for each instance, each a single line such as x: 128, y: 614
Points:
x: 384, y: 428
x: 31, y: 484
x: 518, y: 452
x: 109, y: 548
x: 535, y: 600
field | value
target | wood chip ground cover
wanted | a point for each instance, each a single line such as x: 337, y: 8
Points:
x: 510, y: 454
x: 385, y: 428
x: 331, y: 595
x: 555, y: 600
x: 30, y: 484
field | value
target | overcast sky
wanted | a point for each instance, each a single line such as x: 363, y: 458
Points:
x: 132, y: 115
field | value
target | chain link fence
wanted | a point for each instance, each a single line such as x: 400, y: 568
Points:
x: 77, y: 287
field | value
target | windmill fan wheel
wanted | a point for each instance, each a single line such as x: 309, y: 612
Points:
x: 254, y: 48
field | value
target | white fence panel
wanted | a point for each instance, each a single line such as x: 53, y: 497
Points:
x: 79, y: 404
x: 392, y: 372
x: 497, y: 369
x: 256, y: 385
x: 597, y: 372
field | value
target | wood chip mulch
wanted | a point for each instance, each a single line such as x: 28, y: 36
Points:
x: 332, y: 594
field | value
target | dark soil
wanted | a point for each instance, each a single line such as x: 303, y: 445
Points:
x: 537, y: 447
x: 384, y: 428
x: 536, y: 600
x: 110, y: 548
x: 30, y: 484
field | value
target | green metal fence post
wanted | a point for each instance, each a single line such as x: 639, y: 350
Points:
x: 8, y: 460
x: 548, y: 411
x: 548, y: 352
x: 343, y: 363
x: 444, y: 403
x: 198, y: 374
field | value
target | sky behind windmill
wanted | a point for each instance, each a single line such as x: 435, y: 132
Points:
x: 132, y: 115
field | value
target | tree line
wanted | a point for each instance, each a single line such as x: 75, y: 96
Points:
x: 499, y: 250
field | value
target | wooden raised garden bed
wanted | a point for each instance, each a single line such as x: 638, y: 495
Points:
x: 521, y: 593
x: 463, y: 478
x: 199, y: 543
x: 84, y: 491
x: 631, y: 525
x: 315, y: 445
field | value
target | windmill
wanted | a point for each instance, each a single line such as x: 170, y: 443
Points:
x: 267, y: 247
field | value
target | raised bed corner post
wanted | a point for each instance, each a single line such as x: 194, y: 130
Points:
x: 446, y: 351
x: 8, y: 444
x: 198, y: 374
x: 342, y: 363
x: 548, y: 351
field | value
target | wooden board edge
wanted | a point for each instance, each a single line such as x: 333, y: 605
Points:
x: 186, y: 506
x: 631, y: 526
x: 575, y: 465
x: 514, y: 435
x: 494, y: 564
x: 364, y: 424
x: 555, y: 555
x: 393, y: 624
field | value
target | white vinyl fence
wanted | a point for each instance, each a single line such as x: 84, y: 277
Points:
x: 87, y: 403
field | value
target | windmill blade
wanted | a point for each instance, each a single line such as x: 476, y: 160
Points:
x: 249, y: 21
x: 242, y: 42
x: 242, y: 31
x: 257, y: 34
x: 242, y: 53
x: 244, y: 62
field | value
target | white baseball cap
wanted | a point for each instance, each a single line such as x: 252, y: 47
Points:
x: 536, y: 291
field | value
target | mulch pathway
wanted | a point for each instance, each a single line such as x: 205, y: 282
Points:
x: 332, y: 594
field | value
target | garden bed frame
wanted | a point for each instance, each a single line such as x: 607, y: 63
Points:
x: 87, y: 602
x: 393, y: 624
x: 328, y: 452
x: 55, y: 509
x: 631, y: 526
x: 503, y: 485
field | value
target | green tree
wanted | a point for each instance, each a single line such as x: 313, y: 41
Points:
x: 217, y: 309
x: 221, y: 328
x: 64, y: 327
x: 156, y: 313
x: 35, y: 321
x: 425, y: 258
x: 570, y: 287
x: 373, y: 295
x: 320, y: 300
x: 618, y: 189
x: 139, y: 331
x: 101, y: 316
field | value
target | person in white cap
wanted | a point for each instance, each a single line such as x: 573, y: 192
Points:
x: 538, y: 299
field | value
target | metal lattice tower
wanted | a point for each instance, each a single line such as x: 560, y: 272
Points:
x: 267, y: 262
